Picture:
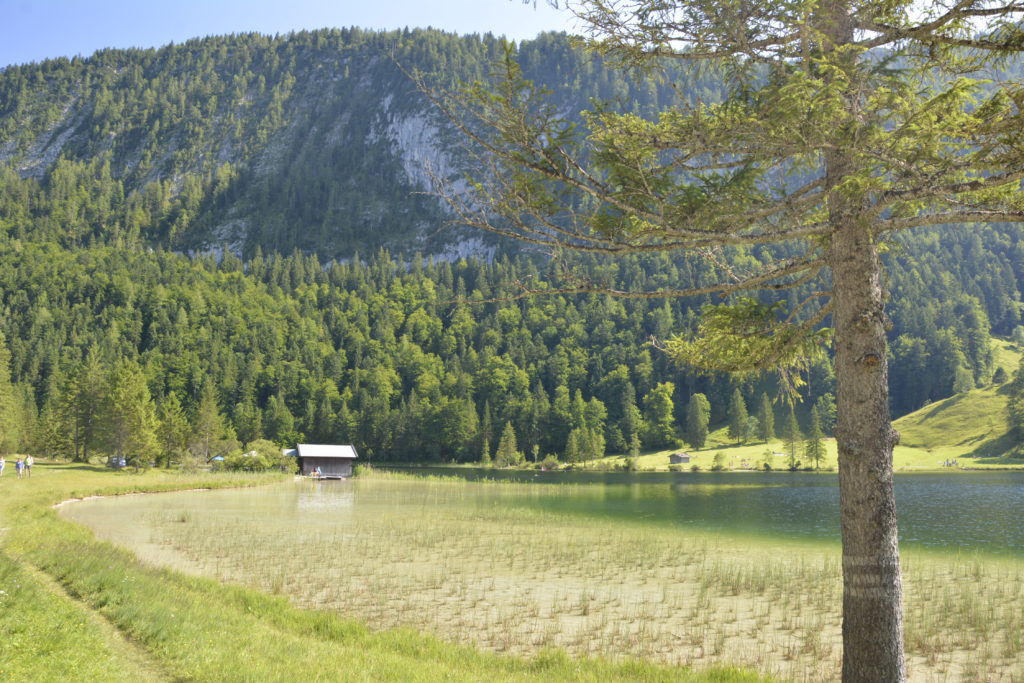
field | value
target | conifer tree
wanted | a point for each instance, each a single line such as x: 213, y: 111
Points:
x: 738, y: 417
x: 508, y: 453
x: 791, y: 433
x: 632, y: 419
x: 485, y: 453
x: 1015, y: 406
x: 572, y: 452
x: 698, y: 414
x: 81, y: 404
x: 173, y: 430
x: 278, y: 421
x: 814, y: 446
x: 208, y: 427
x: 10, y: 413
x: 129, y: 416
x: 816, y: 144
x: 765, y: 419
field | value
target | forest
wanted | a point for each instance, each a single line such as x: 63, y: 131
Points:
x: 397, y: 356
x: 216, y: 243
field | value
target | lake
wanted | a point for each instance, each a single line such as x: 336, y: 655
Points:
x: 689, y: 568
x: 964, y: 511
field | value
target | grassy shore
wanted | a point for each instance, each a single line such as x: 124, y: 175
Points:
x: 509, y: 568
x: 74, y: 608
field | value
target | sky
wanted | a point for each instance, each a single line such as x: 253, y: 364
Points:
x: 34, y: 30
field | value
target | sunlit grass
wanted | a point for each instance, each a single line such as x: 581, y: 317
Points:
x: 189, y: 628
x: 472, y: 563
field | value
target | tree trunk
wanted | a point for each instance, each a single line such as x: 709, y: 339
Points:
x: 872, y: 586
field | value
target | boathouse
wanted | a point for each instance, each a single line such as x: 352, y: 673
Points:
x: 334, y: 461
x: 679, y: 458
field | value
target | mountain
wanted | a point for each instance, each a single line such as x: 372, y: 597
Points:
x: 289, y: 158
x: 315, y: 140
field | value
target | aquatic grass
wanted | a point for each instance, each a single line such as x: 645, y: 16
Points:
x: 440, y: 556
x: 195, y: 628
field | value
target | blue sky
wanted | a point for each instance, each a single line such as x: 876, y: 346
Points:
x: 33, y: 30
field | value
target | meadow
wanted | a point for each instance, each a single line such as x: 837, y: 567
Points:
x: 494, y: 565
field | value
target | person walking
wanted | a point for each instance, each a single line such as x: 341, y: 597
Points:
x: 3, y: 463
x: 19, y: 466
x: 29, y: 461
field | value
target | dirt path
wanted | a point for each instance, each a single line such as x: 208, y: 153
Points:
x: 130, y: 657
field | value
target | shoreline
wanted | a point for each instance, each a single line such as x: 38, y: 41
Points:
x: 98, y: 496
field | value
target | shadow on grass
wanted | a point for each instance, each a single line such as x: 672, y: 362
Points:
x: 997, y: 447
x: 77, y: 466
x: 944, y: 405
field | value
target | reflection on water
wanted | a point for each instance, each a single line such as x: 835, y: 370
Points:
x: 968, y: 512
x: 976, y: 511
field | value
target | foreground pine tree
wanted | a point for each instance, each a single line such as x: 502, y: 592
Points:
x: 844, y: 121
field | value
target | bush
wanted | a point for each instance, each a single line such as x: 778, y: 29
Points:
x: 719, y: 463
x: 249, y: 461
x: 549, y: 462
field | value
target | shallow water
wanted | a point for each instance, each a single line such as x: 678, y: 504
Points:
x: 970, y: 512
x: 964, y: 512
x: 688, y: 568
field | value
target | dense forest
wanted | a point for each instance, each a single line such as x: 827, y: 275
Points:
x: 396, y: 357
x: 180, y: 271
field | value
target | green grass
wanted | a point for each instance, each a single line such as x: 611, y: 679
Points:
x: 969, y: 428
x: 190, y: 628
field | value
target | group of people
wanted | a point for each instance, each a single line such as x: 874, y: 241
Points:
x: 23, y: 465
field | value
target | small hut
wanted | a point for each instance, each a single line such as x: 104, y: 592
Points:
x: 679, y: 458
x: 335, y: 462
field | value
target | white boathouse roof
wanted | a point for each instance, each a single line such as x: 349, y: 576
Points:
x: 317, y: 450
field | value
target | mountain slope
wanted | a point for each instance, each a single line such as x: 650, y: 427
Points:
x: 315, y: 140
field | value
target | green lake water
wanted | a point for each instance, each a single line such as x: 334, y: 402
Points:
x: 965, y: 512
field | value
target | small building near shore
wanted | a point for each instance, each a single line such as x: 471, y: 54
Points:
x: 334, y: 461
x: 679, y: 458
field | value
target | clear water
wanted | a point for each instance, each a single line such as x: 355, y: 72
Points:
x: 970, y: 512
x: 967, y: 512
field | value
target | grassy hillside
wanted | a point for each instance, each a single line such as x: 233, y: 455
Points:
x: 969, y: 428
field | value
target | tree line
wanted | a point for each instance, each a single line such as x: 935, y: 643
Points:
x: 121, y: 351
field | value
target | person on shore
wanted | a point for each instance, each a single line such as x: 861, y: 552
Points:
x: 3, y: 464
x: 19, y: 466
x: 29, y: 461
